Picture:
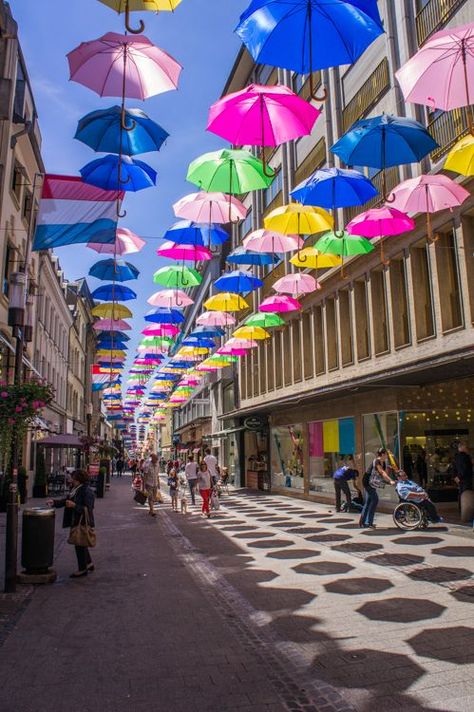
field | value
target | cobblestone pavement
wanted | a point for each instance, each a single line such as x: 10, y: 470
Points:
x: 274, y: 604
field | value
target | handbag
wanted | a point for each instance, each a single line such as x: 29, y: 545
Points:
x: 215, y: 504
x: 375, y: 480
x: 82, y: 534
x: 140, y: 497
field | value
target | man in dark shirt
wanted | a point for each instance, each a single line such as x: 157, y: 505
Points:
x: 341, y: 479
x: 463, y: 467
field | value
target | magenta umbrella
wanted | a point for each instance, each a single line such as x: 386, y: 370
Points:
x: 428, y: 194
x: 380, y: 222
x: 262, y: 116
x: 161, y: 330
x: 215, y: 318
x: 184, y: 252
x: 210, y: 208
x: 125, y: 243
x: 279, y: 304
x: 296, y: 283
x: 170, y: 298
x: 270, y: 241
x: 112, y: 325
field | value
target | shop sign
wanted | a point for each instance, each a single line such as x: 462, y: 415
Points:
x: 256, y: 422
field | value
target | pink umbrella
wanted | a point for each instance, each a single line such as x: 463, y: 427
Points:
x: 161, y: 330
x: 428, y: 194
x: 112, y: 325
x: 380, y: 222
x: 262, y: 116
x: 170, y: 298
x: 121, y: 65
x: 270, y: 241
x: 297, y: 283
x: 205, y: 207
x: 215, y: 318
x: 279, y: 304
x: 441, y: 73
x: 190, y: 253
x: 230, y: 351
x: 207, y: 367
x: 236, y: 343
x: 125, y: 243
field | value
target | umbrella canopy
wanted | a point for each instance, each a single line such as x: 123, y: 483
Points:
x: 266, y: 321
x: 335, y: 188
x: 298, y: 219
x: 126, y: 242
x: 232, y: 171
x: 380, y: 221
x: 311, y: 258
x: 279, y: 303
x: 226, y: 350
x: 111, y: 325
x: 461, y: 158
x: 161, y: 330
x: 256, y: 333
x: 236, y: 343
x: 190, y: 253
x: 186, y: 232
x: 226, y: 302
x: 211, y: 332
x: 297, y: 283
x: 208, y: 343
x: 116, y: 337
x: 177, y: 276
x: 102, y: 131
x: 119, y: 173
x: 115, y: 270
x: 238, y: 281
x: 204, y: 207
x: 344, y: 246
x: 114, y: 353
x: 215, y: 318
x: 121, y: 65
x: 271, y: 241
x: 111, y: 344
x: 170, y: 298
x: 242, y: 256
x: 323, y: 33
x: 114, y: 292
x: 112, y: 310
x: 428, y: 194
x: 165, y: 315
x: 262, y: 116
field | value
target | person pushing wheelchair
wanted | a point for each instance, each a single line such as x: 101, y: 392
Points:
x: 410, y: 491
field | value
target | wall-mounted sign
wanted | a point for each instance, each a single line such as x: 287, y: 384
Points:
x: 256, y: 422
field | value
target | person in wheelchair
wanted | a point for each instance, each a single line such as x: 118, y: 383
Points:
x: 410, y: 491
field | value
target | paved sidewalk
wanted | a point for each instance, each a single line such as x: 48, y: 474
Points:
x: 273, y: 604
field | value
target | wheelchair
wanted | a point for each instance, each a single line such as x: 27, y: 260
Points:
x: 409, y: 516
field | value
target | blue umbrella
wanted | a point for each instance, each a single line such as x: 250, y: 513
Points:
x: 335, y: 188
x: 200, y: 342
x: 119, y: 173
x: 102, y: 131
x: 116, y: 270
x: 237, y: 281
x: 211, y: 332
x: 165, y: 315
x: 109, y: 343
x: 113, y: 293
x: 119, y: 335
x: 241, y: 256
x: 185, y: 232
x: 110, y: 364
x: 166, y: 377
x: 324, y: 33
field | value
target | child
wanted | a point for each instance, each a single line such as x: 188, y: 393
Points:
x: 173, y: 484
x: 183, y: 494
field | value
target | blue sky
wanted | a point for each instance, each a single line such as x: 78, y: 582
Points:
x: 200, y: 36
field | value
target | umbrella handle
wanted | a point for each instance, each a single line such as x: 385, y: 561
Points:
x: 134, y: 31
x: 312, y: 93
x: 429, y: 230
x: 118, y: 212
x: 123, y: 123
x: 311, y: 78
x: 339, y: 234
x: 265, y: 166
x: 301, y: 258
x: 390, y: 197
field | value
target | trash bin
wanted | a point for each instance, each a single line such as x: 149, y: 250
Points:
x: 37, y: 543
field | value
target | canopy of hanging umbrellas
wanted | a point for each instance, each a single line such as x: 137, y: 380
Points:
x: 167, y: 368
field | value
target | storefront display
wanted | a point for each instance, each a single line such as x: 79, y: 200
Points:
x: 331, y: 444
x: 256, y: 449
x: 287, y: 457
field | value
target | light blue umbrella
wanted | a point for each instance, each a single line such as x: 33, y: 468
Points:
x: 185, y: 232
x: 241, y: 256
x: 102, y: 131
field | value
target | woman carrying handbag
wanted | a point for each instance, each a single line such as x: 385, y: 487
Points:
x: 79, y: 516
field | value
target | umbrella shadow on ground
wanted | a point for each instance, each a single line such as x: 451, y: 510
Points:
x: 454, y: 551
x: 401, y: 610
x: 323, y: 568
x: 439, y: 574
x: 452, y: 645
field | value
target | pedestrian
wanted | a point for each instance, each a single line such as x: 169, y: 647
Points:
x: 79, y: 510
x: 373, y: 479
x: 133, y: 467
x: 211, y: 462
x: 463, y: 468
x: 421, y: 467
x: 204, y: 483
x: 173, y: 484
x: 119, y: 465
x: 183, y: 493
x: 191, y: 472
x: 151, y: 482
x: 342, y: 477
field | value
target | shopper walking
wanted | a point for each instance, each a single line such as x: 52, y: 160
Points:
x: 151, y: 482
x: 173, y: 484
x: 342, y: 477
x: 375, y: 478
x: 191, y: 472
x: 204, y: 483
x: 211, y: 462
x: 463, y: 468
x: 79, y: 512
x: 119, y: 465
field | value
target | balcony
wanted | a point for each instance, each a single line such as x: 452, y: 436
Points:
x: 368, y: 95
x: 314, y: 160
x: 392, y: 178
x: 433, y: 16
x: 447, y: 129
x: 304, y: 92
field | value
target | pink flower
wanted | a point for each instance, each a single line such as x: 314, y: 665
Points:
x: 11, y: 421
x: 18, y: 409
x: 4, y: 394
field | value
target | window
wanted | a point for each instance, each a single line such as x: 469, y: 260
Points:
x: 274, y: 189
x: 331, y: 334
x: 296, y: 339
x: 287, y: 360
x: 288, y: 447
x: 379, y: 309
x: 8, y: 269
x: 269, y: 344
x: 298, y: 82
x: 17, y: 181
x: 27, y: 206
x: 319, y: 340
x: 255, y: 371
x: 278, y: 360
x: 246, y: 225
x: 308, y: 344
x: 20, y: 86
x: 345, y: 327
x: 262, y: 368
x: 248, y: 375
x: 422, y: 297
x: 362, y: 320
x: 398, y: 285
x: 448, y: 283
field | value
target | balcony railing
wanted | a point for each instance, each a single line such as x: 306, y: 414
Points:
x: 271, y: 278
x: 392, y: 178
x: 274, y: 203
x: 433, y: 16
x: 314, y: 160
x: 447, y: 129
x: 368, y: 95
x: 304, y: 92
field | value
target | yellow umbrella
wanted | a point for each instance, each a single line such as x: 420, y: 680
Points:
x: 113, y: 353
x: 296, y: 219
x: 251, y: 332
x: 226, y: 301
x: 111, y: 310
x: 310, y: 258
x: 128, y: 6
x: 193, y: 351
x: 461, y: 158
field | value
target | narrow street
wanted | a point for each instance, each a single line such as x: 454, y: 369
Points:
x: 271, y: 605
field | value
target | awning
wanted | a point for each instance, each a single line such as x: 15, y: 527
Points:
x: 63, y: 440
x: 40, y: 424
x: 225, y: 433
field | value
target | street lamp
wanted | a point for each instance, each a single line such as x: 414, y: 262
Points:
x: 28, y: 329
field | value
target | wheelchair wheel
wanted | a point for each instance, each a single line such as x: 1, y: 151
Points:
x: 407, y: 516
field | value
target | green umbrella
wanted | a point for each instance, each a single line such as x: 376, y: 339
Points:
x: 266, y: 320
x: 177, y: 276
x: 346, y: 245
x: 156, y: 341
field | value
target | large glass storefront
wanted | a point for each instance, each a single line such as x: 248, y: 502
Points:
x: 288, y: 456
x: 331, y: 444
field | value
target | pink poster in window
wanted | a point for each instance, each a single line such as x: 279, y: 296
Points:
x: 316, y: 439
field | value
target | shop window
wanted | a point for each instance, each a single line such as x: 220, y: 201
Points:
x: 331, y: 444
x: 345, y: 327
x: 331, y: 334
x: 308, y: 344
x: 422, y: 297
x: 381, y: 430
x: 319, y: 340
x: 398, y: 285
x: 362, y: 320
x: 287, y: 457
x: 448, y: 281
x: 287, y: 361
x: 269, y: 358
x: 296, y: 339
x: 278, y: 360
x: 379, y: 308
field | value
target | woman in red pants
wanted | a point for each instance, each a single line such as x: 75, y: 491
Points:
x: 204, y: 480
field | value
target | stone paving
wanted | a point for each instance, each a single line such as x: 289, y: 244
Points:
x: 273, y: 604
